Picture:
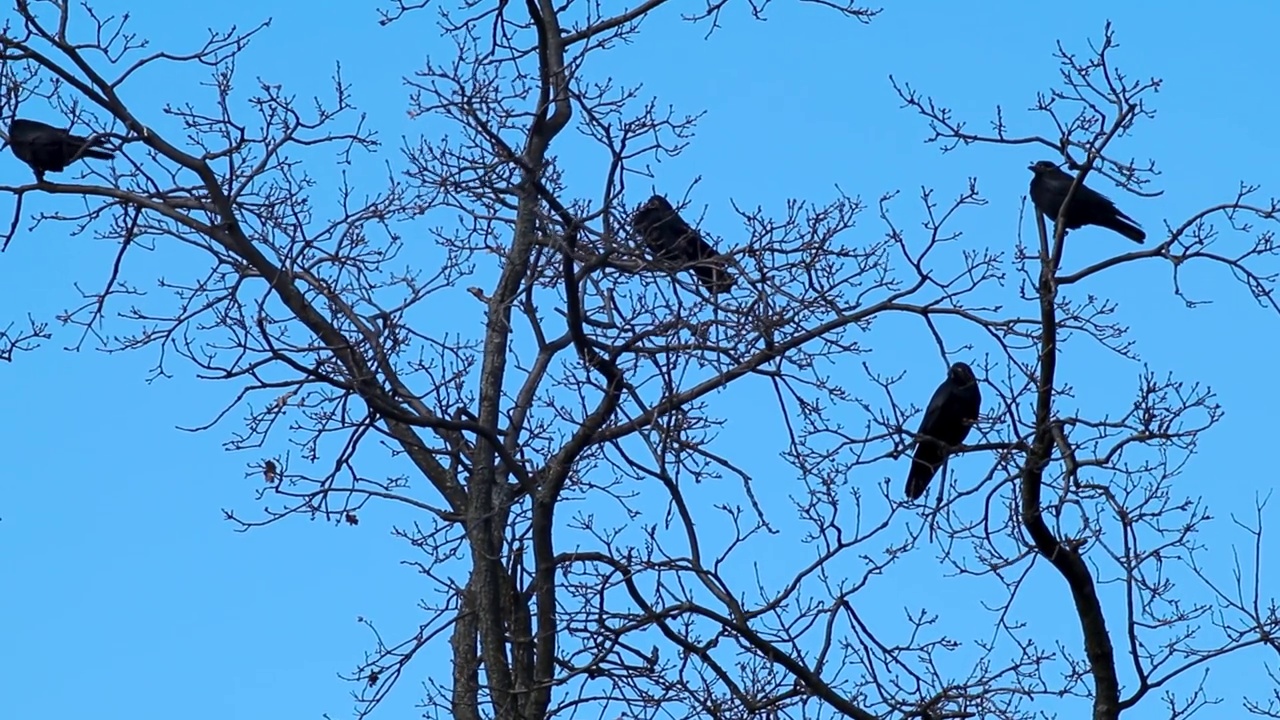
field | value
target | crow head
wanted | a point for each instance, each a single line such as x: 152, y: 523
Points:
x: 657, y: 202
x: 655, y: 211
x: 1042, y: 166
x: 961, y: 374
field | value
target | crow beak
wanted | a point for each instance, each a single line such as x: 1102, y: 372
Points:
x: 1031, y: 167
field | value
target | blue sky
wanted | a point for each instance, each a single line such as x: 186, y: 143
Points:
x: 127, y: 595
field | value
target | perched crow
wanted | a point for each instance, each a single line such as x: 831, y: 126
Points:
x: 671, y: 239
x: 951, y: 413
x: 49, y: 149
x: 1088, y: 207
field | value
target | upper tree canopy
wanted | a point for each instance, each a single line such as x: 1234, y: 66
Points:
x: 647, y: 427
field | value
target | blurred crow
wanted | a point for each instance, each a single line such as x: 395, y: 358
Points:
x: 49, y: 149
x: 951, y: 413
x: 1088, y: 207
x: 671, y: 239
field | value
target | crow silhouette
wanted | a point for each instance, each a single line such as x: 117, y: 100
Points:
x: 49, y: 149
x: 671, y: 239
x: 1049, y: 188
x: 947, y: 420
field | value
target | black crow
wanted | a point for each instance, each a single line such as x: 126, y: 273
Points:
x: 951, y: 413
x: 1088, y: 207
x: 671, y: 239
x: 49, y: 149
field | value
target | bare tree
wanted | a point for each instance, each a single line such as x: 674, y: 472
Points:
x: 536, y: 449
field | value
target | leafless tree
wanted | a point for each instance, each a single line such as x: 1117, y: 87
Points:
x: 590, y: 546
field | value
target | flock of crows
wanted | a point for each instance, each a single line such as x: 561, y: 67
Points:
x: 957, y: 402
x: 955, y: 405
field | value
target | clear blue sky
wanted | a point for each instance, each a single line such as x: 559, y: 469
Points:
x: 125, y: 594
